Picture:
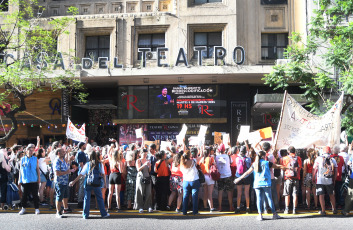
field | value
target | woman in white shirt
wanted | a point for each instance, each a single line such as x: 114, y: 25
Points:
x: 43, y: 168
x: 191, y: 183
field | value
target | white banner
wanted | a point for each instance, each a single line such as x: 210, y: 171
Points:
x: 301, y: 129
x: 75, y: 134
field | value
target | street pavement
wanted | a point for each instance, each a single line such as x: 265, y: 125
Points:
x: 170, y: 220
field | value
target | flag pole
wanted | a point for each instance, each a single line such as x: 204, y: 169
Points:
x: 280, y: 121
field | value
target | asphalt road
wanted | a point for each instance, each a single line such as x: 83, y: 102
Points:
x: 170, y: 220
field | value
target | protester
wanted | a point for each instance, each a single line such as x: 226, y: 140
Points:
x: 44, y: 174
x: 191, y: 183
x: 5, y: 169
x: 325, y: 173
x: 162, y: 183
x: 225, y: 182
x: 176, y: 182
x: 309, y: 183
x: 94, y: 172
x: 131, y: 170
x: 152, y: 159
x: 349, y: 198
x: 81, y: 159
x: 143, y: 195
x: 291, y: 178
x: 29, y: 179
x: 61, y: 180
x: 262, y: 182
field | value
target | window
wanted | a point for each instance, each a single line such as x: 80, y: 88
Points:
x: 269, y: 2
x: 273, y: 45
x: 4, y: 5
x: 209, y: 40
x: 152, y: 41
x: 206, y: 1
x: 97, y: 46
x: 149, y: 7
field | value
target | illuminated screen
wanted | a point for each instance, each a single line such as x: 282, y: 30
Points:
x: 184, y: 101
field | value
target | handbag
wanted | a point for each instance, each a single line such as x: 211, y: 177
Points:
x: 46, y: 175
x: 201, y: 175
x: 146, y: 180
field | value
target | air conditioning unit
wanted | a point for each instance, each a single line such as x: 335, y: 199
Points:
x: 153, y: 56
x: 282, y: 61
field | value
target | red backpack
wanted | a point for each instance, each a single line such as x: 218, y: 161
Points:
x: 215, y: 175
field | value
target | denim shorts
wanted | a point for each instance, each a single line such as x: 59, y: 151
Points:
x: 62, y: 191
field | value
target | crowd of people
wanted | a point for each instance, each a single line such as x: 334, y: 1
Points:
x: 147, y: 179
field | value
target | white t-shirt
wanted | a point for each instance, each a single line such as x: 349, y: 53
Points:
x: 318, y: 165
x: 52, y: 156
x: 190, y: 174
x: 84, y: 171
x: 43, y: 165
x: 223, y: 165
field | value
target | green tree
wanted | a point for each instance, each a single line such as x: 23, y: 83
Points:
x: 29, y: 60
x: 322, y: 64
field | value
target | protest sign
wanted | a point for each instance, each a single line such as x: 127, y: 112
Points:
x: 75, y: 134
x: 243, y: 133
x: 217, y: 138
x: 138, y: 133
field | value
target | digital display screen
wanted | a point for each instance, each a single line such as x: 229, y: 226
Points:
x: 184, y: 101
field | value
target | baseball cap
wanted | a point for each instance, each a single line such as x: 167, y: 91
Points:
x: 30, y: 146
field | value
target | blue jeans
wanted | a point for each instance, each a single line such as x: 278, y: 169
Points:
x: 274, y: 195
x: 263, y: 193
x: 87, y: 200
x: 193, y: 188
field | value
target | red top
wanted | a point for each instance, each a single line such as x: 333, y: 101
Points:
x: 340, y: 163
x: 286, y: 161
x: 114, y: 168
x: 205, y: 167
x: 162, y: 170
x: 176, y: 171
x: 309, y: 168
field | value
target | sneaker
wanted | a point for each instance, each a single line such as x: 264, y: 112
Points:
x: 265, y: 212
x: 286, y: 211
x: 36, y: 211
x: 58, y: 215
x: 177, y: 210
x: 141, y: 210
x: 322, y: 213
x: 275, y: 216
x: 168, y: 208
x: 259, y: 217
x: 106, y: 216
x: 213, y: 210
x: 334, y: 212
x: 237, y: 211
x: 295, y: 211
x: 344, y: 213
x: 23, y: 211
x: 150, y: 210
x: 66, y: 211
x: 248, y: 210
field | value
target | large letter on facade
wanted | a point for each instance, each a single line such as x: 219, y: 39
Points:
x: 218, y: 55
x: 179, y: 60
x: 59, y: 61
x: 159, y: 56
x: 242, y: 57
x: 199, y: 50
x: 143, y: 56
x: 87, y: 63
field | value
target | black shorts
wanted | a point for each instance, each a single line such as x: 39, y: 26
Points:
x: 322, y: 189
x: 115, y: 178
x: 245, y: 181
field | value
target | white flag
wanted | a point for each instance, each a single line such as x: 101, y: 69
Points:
x: 302, y: 129
x: 75, y: 134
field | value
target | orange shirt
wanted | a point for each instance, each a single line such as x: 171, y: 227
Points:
x: 162, y: 170
x: 286, y: 161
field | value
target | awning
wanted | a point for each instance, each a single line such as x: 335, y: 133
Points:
x: 271, y: 101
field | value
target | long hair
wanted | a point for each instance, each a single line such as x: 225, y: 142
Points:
x: 176, y: 159
x: 311, y: 155
x: 206, y: 153
x: 116, y: 157
x: 184, y: 158
x: 257, y: 166
x: 93, y: 159
x: 40, y: 153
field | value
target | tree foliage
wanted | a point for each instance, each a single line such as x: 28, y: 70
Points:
x: 322, y: 64
x: 29, y: 60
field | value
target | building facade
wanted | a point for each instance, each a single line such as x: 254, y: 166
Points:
x: 208, y: 55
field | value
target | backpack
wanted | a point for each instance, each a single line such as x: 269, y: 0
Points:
x: 241, y: 165
x: 215, y: 174
x: 293, y: 172
x: 12, y: 196
x: 94, y: 176
x: 327, y: 168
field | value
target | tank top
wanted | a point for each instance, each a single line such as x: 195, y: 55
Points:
x: 29, y: 170
x: 162, y: 170
x: 309, y: 168
x: 144, y: 172
x: 190, y: 174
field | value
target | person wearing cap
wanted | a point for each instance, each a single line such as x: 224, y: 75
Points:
x: 225, y: 182
x: 325, y: 182
x: 81, y: 159
x: 243, y: 163
x: 29, y: 178
x: 291, y: 179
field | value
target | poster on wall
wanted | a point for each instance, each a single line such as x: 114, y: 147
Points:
x: 184, y: 101
x: 127, y: 133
